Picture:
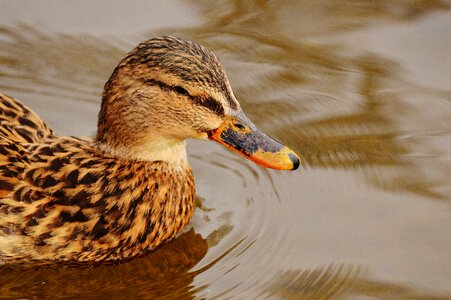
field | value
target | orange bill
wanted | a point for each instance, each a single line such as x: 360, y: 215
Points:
x: 239, y: 134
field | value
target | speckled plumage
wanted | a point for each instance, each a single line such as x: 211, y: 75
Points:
x: 71, y: 199
x: 129, y: 189
x: 61, y: 198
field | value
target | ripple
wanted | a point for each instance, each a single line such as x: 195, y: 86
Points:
x: 374, y: 147
x: 36, y: 61
x: 249, y: 218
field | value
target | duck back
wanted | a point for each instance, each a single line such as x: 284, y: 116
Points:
x: 64, y: 199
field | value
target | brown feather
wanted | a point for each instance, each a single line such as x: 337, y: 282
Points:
x: 70, y: 199
x: 65, y: 199
x: 129, y: 190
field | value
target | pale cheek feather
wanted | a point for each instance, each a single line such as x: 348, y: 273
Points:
x: 66, y: 199
x: 172, y: 152
x: 201, y: 136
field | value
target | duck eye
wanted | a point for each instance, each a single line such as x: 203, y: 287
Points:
x: 239, y: 126
x: 181, y: 90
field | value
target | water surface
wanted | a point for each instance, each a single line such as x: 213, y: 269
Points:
x: 359, y: 88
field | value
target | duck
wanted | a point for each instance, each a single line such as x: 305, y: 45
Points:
x: 130, y: 188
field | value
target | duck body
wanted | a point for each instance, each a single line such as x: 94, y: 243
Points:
x: 130, y: 189
x: 62, y: 198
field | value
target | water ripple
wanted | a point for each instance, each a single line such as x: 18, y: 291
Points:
x: 373, y: 148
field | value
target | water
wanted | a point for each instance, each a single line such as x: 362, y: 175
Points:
x: 359, y: 88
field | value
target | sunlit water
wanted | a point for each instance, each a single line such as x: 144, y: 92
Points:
x: 361, y: 89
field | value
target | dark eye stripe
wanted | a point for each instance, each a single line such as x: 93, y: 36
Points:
x: 207, y: 102
x: 181, y: 91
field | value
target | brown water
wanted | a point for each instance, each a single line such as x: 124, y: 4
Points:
x: 361, y: 89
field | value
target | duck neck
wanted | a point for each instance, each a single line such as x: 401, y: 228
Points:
x: 171, y: 151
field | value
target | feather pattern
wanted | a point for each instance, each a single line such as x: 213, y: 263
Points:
x: 130, y: 188
x: 61, y: 198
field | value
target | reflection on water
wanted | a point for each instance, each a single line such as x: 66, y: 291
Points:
x: 338, y: 282
x: 374, y: 144
x: 165, y: 272
x: 366, y: 136
x: 335, y: 282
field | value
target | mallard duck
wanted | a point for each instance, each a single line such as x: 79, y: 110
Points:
x: 130, y: 188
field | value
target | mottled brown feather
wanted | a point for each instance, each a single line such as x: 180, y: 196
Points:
x: 63, y: 199
x: 131, y: 188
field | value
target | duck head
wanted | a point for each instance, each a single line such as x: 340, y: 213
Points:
x: 167, y: 90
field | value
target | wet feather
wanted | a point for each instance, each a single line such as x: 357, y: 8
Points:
x: 129, y: 189
x: 64, y: 199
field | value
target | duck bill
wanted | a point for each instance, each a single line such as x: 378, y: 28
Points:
x: 239, y: 134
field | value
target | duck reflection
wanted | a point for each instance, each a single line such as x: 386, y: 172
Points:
x: 162, y: 273
x: 338, y: 108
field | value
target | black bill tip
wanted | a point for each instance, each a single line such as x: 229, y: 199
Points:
x: 295, y: 160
